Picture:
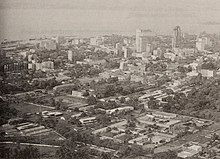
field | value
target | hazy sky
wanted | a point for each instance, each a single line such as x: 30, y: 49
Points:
x: 28, y: 18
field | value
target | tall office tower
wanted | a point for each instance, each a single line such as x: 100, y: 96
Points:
x: 126, y: 52
x: 200, y: 44
x: 142, y: 38
x: 70, y: 55
x: 177, y: 37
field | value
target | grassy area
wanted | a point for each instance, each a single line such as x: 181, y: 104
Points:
x: 73, y: 101
x: 28, y: 108
x: 46, y: 152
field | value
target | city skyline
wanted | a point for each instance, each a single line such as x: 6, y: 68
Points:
x: 28, y: 19
x: 113, y: 79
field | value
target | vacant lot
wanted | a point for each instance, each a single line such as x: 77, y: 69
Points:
x: 28, y: 108
x: 73, y: 101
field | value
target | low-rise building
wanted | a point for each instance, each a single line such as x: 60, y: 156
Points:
x: 87, y: 120
x: 189, y: 151
x: 77, y: 94
x: 48, y: 44
x: 119, y: 110
x: 208, y: 73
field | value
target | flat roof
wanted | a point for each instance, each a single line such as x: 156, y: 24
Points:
x: 164, y: 113
x: 185, y: 154
x: 165, y: 124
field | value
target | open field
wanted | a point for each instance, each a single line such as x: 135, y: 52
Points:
x: 28, y: 108
x: 72, y: 101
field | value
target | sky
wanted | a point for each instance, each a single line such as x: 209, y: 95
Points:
x: 21, y: 19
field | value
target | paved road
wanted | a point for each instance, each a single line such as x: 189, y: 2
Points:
x: 31, y: 144
x: 61, y: 136
x: 40, y: 105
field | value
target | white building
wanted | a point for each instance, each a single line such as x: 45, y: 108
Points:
x: 47, y: 65
x: 142, y: 37
x: 23, y: 54
x: 208, y: 73
x: 123, y: 66
x: 158, y: 53
x: 127, y: 52
x: 77, y: 94
x: 87, y: 120
x: 31, y: 66
x: 200, y: 44
x: 119, y: 110
x: 75, y: 41
x: 170, y: 55
x: 30, y: 58
x: 70, y: 55
x: 118, y: 46
x: 38, y: 66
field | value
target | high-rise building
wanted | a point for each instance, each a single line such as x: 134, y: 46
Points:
x: 142, y: 39
x: 202, y: 42
x: 177, y: 37
x: 118, y: 48
x: 200, y: 45
x: 127, y: 52
x: 70, y: 55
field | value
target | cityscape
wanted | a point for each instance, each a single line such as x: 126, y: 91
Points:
x: 141, y: 95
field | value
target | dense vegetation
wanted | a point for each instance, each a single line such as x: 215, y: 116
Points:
x: 6, y: 112
x: 205, y: 95
x: 19, y: 153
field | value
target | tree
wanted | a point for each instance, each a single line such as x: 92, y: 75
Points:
x: 63, y: 127
x: 122, y: 99
x: 152, y: 103
x: 52, y: 102
x: 28, y: 152
x: 86, y: 93
x: 50, y: 122
x: 75, y: 121
x: 124, y: 150
x: 105, y: 156
x: 6, y: 112
x: 76, y: 109
x: 70, y: 150
x: 136, y: 149
x: 91, y: 100
x: 103, y: 119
